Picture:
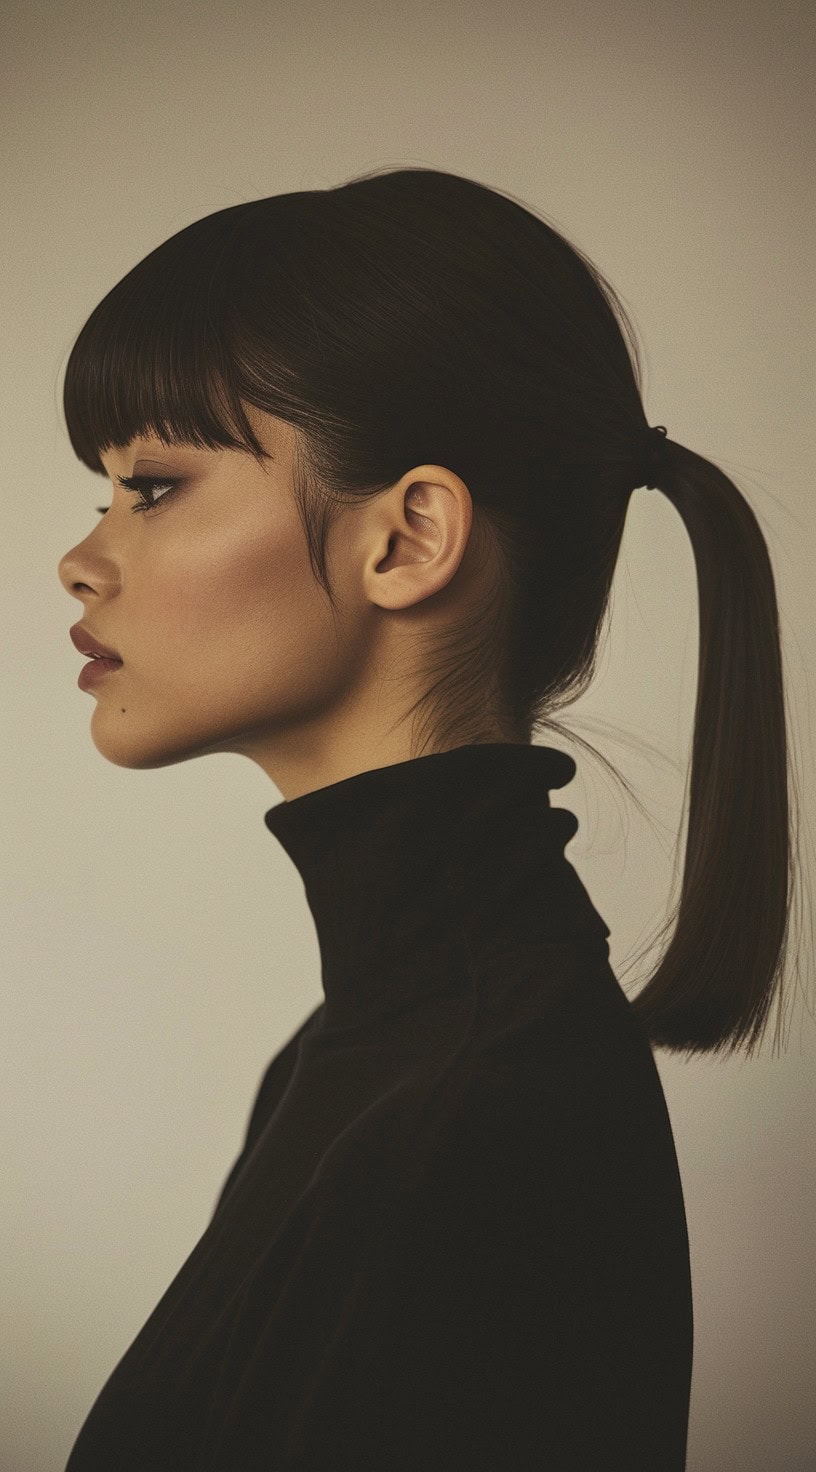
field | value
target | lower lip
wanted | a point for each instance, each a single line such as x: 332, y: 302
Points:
x: 95, y: 670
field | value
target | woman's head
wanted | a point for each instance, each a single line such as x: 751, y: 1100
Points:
x: 403, y: 320
x: 406, y: 418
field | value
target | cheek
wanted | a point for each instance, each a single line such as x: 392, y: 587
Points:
x: 240, y: 595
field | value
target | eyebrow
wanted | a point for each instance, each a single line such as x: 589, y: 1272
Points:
x: 142, y: 459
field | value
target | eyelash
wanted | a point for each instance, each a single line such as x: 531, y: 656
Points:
x: 140, y: 484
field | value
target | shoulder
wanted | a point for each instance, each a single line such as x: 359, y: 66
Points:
x: 275, y: 1078
x: 552, y: 1113
x: 562, y: 1045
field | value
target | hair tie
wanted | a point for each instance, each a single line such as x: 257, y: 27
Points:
x: 651, y: 457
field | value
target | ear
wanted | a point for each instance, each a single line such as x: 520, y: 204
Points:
x: 415, y: 536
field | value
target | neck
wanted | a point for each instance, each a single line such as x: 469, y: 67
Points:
x: 411, y: 868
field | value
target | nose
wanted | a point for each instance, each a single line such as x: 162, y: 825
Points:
x: 67, y: 573
x: 74, y: 572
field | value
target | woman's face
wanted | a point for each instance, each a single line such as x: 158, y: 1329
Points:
x: 228, y: 641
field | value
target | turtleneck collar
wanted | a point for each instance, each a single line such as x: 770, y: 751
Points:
x: 413, y: 869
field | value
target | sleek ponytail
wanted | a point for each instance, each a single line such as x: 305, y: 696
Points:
x: 714, y: 986
x: 414, y: 316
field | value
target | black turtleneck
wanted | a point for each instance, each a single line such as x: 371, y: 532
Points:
x: 454, y: 1239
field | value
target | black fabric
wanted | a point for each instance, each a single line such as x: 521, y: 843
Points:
x: 455, y: 1238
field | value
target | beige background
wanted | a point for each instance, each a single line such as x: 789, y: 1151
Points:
x: 156, y: 945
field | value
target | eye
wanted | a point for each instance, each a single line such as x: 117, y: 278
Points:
x: 145, y: 486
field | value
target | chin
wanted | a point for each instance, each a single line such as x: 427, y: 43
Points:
x: 126, y: 748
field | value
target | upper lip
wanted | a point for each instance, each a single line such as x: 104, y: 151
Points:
x: 86, y: 644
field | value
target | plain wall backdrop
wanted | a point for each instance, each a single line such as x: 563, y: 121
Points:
x: 157, y: 948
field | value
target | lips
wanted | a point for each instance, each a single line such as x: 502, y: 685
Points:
x: 86, y: 644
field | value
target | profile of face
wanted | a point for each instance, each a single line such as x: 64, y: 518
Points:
x: 228, y: 641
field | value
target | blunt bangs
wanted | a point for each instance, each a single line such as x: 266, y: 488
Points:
x: 154, y: 356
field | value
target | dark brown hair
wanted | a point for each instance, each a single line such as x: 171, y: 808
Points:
x: 412, y: 316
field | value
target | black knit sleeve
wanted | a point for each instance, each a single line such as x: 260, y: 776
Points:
x: 526, y: 1303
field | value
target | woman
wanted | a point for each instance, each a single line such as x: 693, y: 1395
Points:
x: 381, y: 439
